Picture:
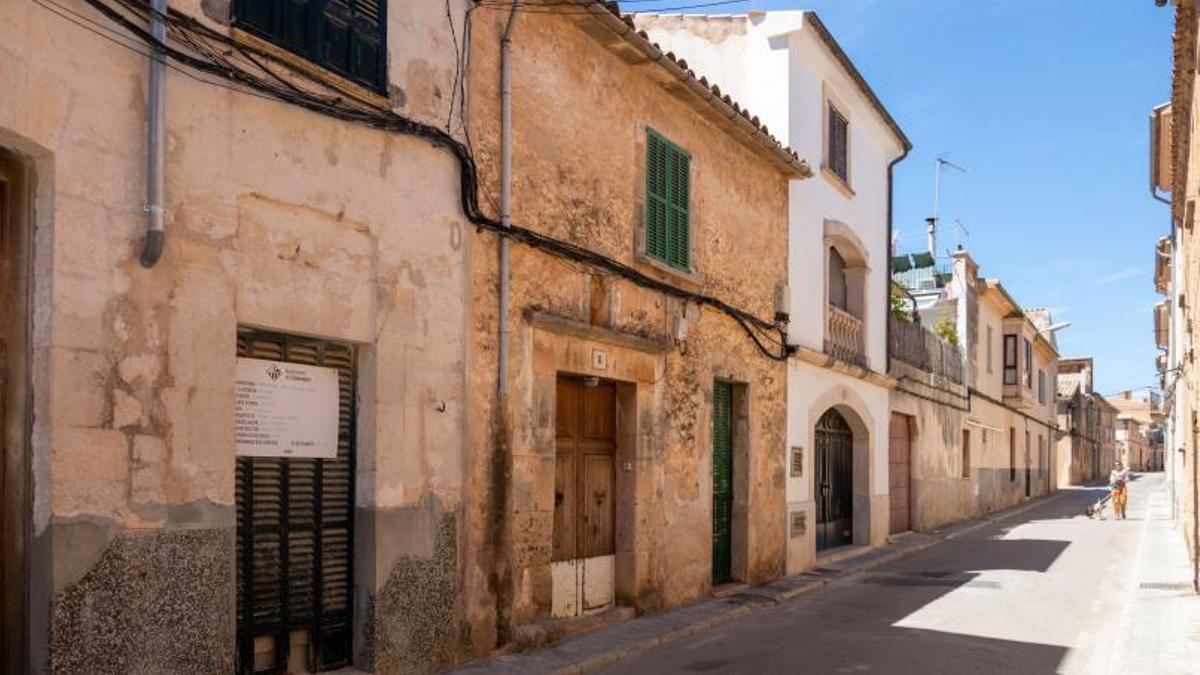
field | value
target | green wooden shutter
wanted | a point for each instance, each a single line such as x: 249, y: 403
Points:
x: 722, y: 460
x: 680, y: 234
x: 345, y: 36
x: 668, y: 179
x: 656, y: 196
x: 295, y: 527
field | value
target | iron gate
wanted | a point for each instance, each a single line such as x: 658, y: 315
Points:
x: 722, y: 459
x: 295, y: 532
x: 834, y: 481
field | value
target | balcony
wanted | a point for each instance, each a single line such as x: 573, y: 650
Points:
x: 922, y: 349
x: 844, y: 337
x: 1162, y: 266
x: 1162, y: 324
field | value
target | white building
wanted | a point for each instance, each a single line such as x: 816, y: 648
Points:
x: 789, y: 69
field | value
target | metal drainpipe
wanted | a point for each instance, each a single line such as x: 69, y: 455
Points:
x: 505, y: 189
x: 887, y: 287
x: 156, y: 143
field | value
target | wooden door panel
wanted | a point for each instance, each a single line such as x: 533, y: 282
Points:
x: 598, y: 506
x: 599, y: 412
x: 566, y: 417
x: 899, y: 473
x: 565, y: 500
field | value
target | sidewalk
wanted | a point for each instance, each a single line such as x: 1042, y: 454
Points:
x: 603, y: 647
x: 1158, y: 630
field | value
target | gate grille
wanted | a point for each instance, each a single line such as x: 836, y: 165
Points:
x: 295, y: 529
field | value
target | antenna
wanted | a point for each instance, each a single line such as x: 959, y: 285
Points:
x: 941, y: 161
x: 962, y: 235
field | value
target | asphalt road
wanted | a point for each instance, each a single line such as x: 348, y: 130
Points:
x: 1045, y: 591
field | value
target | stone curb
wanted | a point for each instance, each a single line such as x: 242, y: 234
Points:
x: 776, y: 598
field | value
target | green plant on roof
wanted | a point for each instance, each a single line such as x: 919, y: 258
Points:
x: 900, y: 304
x: 946, y: 329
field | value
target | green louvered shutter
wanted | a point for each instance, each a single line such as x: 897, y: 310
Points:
x: 345, y: 36
x: 668, y: 235
x: 679, y: 233
x: 722, y: 460
x: 656, y: 196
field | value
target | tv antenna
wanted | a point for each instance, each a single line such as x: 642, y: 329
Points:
x: 940, y: 161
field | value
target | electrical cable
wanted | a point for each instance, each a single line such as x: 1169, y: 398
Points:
x: 351, y: 107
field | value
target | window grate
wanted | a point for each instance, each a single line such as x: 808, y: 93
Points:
x: 838, y: 159
x: 295, y: 529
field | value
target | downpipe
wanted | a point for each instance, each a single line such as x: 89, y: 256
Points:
x: 152, y: 248
x: 506, y: 181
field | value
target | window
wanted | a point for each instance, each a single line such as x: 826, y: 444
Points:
x: 1010, y: 359
x: 838, y: 145
x: 1012, y: 454
x: 344, y: 36
x: 990, y: 337
x: 668, y: 232
x: 966, y: 453
x: 837, y: 280
x: 1041, y: 386
x: 1028, y: 363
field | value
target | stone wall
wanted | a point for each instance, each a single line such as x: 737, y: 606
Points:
x: 276, y: 218
x: 580, y: 116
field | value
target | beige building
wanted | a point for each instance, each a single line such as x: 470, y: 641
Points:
x: 632, y: 455
x: 1087, y: 443
x: 1138, y: 430
x: 312, y: 220
x: 1175, y: 180
x: 973, y: 421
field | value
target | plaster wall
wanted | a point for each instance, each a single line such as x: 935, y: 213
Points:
x: 581, y: 111
x: 812, y: 390
x: 276, y: 218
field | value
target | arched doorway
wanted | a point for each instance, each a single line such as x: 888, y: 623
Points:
x: 834, y: 477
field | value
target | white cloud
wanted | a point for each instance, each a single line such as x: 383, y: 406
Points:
x: 1120, y: 275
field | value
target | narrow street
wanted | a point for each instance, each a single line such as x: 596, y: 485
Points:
x: 1045, y: 591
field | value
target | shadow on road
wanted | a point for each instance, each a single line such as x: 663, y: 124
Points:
x: 855, y: 627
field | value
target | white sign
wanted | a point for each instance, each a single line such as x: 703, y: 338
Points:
x: 285, y: 410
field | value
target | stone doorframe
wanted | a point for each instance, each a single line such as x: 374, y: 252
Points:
x: 24, y: 167
x: 557, y: 346
x: 864, y: 504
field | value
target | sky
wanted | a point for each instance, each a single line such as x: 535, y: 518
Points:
x: 1045, y: 103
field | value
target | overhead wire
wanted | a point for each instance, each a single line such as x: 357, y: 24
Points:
x: 768, y: 337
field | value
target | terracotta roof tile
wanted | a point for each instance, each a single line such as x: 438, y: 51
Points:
x: 628, y: 19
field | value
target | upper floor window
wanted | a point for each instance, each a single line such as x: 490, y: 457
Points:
x: 837, y: 144
x: 1028, y: 363
x: 668, y: 227
x: 837, y: 281
x: 344, y: 36
x: 1010, y: 359
x: 1041, y: 386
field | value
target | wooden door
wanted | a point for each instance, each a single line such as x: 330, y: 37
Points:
x: 899, y: 473
x: 584, y: 469
x: 722, y: 459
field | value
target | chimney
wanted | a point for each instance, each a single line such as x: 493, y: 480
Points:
x: 932, y: 235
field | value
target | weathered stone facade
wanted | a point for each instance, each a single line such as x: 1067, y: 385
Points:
x: 583, y: 100
x: 276, y: 218
x: 1176, y: 170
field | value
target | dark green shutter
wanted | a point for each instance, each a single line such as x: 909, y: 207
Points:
x: 722, y: 460
x: 668, y: 179
x: 295, y: 527
x: 345, y: 36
